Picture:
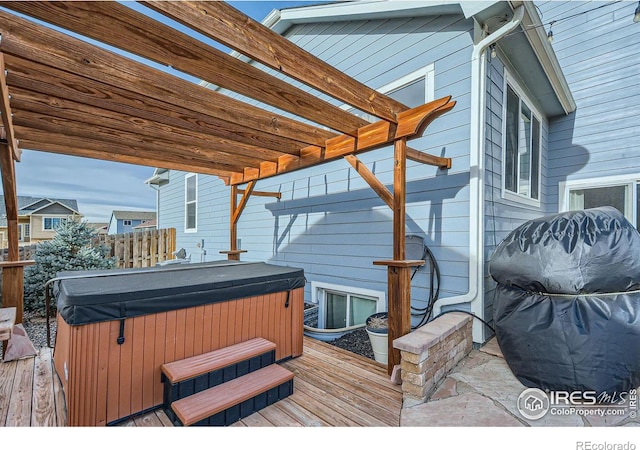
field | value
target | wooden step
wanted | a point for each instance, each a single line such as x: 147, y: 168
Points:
x: 194, y: 366
x: 7, y: 321
x: 248, y: 393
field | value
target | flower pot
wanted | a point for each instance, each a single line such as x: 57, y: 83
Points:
x: 377, y: 329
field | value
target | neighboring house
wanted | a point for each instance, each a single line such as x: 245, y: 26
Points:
x: 126, y: 221
x: 146, y: 225
x: 100, y: 227
x: 38, y: 218
x: 538, y: 128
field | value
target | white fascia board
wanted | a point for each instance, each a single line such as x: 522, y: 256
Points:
x: 537, y: 37
x: 364, y: 10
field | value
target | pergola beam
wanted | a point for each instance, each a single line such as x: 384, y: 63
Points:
x: 151, y: 147
x: 28, y: 101
x: 88, y: 148
x: 5, y: 112
x: 277, y: 195
x: 376, y: 135
x: 129, y: 30
x: 113, y: 132
x: 425, y: 158
x: 50, y: 85
x: 234, y: 29
x: 27, y: 40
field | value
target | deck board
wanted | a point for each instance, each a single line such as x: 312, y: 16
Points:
x: 332, y: 387
x: 43, y: 412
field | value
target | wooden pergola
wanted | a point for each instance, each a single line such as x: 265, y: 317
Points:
x: 64, y: 95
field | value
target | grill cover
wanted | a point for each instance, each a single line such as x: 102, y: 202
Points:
x: 93, y: 296
x: 567, y: 305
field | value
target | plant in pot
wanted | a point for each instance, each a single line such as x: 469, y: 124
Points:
x: 377, y: 326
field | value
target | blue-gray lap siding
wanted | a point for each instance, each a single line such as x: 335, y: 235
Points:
x: 502, y: 215
x: 329, y: 221
x: 598, y: 53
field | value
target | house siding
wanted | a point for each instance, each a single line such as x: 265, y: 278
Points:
x: 598, y: 55
x: 502, y: 215
x: 37, y: 227
x: 329, y: 221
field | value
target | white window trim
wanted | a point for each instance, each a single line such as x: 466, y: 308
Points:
x: 124, y: 222
x: 427, y: 72
x: 51, y: 217
x: 631, y: 180
x: 186, y: 177
x: 319, y: 288
x: 515, y: 85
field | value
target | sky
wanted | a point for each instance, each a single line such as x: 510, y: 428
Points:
x: 101, y: 187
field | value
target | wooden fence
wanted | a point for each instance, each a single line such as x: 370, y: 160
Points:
x: 25, y: 252
x: 139, y: 249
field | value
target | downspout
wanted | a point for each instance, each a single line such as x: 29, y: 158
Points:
x: 475, y: 295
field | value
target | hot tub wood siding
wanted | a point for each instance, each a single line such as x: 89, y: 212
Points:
x: 107, y: 382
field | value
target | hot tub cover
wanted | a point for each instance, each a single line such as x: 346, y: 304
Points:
x: 93, y: 296
x: 567, y: 304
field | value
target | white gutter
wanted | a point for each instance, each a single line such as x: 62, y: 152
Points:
x: 475, y: 295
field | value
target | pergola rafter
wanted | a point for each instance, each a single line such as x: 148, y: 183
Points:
x: 65, y: 95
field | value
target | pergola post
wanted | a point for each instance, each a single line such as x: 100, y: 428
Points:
x: 398, y: 269
x: 233, y: 254
x: 12, y: 275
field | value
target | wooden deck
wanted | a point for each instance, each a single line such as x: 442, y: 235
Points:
x: 332, y: 387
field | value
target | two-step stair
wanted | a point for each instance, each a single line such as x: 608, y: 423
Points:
x: 225, y: 385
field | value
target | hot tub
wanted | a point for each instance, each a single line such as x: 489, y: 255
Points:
x: 116, y: 328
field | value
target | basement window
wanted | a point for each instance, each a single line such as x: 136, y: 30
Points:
x: 345, y: 306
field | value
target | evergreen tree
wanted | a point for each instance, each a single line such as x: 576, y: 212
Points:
x: 70, y: 249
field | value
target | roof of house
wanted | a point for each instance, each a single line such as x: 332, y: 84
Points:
x: 97, y: 225
x: 134, y: 215
x: 545, y: 78
x: 147, y: 224
x: 28, y: 205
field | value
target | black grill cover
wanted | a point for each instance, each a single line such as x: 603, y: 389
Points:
x: 595, y: 250
x: 94, y: 296
x: 567, y: 309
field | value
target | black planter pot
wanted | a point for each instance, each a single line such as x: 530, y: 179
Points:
x: 374, y: 329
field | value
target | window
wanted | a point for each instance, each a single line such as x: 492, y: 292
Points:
x: 24, y: 232
x: 126, y: 223
x: 344, y: 306
x: 413, y: 90
x: 521, y: 158
x: 621, y: 192
x: 190, y: 202
x: 51, y: 223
